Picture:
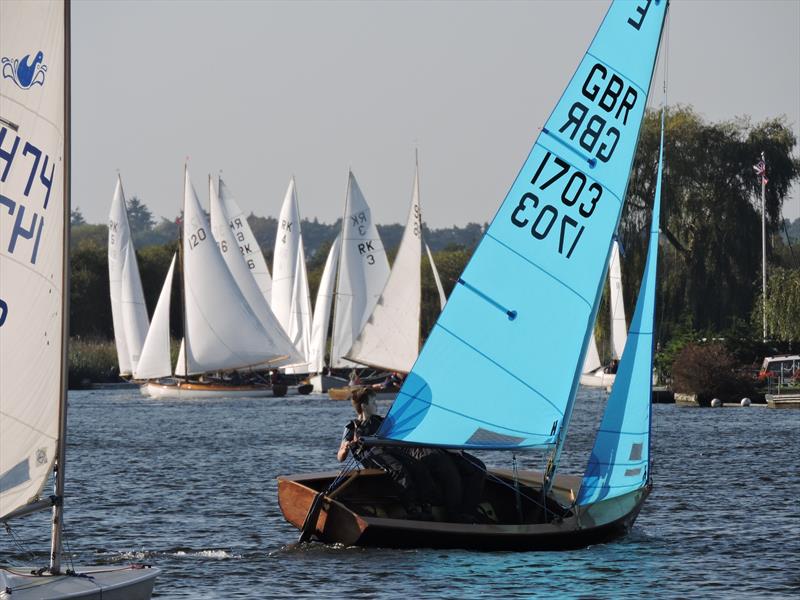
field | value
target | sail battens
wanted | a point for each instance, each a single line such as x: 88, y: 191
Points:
x: 543, y: 270
x: 512, y: 314
x: 582, y: 155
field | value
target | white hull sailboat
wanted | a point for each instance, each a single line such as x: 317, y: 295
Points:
x: 521, y: 316
x: 243, y: 334
x: 34, y: 284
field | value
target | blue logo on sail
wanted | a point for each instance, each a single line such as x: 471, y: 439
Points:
x: 25, y: 72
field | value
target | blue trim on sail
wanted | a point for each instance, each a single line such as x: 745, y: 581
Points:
x: 16, y: 475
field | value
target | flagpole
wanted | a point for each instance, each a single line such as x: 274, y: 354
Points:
x: 764, y: 250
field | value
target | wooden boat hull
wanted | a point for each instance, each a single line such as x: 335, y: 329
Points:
x: 102, y: 583
x: 191, y: 390
x: 345, y: 518
x: 343, y: 393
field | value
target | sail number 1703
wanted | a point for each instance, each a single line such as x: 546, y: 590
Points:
x: 575, y: 190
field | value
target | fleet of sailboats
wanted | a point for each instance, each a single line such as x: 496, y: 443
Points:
x: 521, y: 317
x: 228, y: 326
x: 34, y: 286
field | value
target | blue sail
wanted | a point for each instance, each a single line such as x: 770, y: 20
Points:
x: 501, y: 365
x: 620, y: 459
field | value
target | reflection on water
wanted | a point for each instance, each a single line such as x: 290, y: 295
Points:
x: 190, y: 486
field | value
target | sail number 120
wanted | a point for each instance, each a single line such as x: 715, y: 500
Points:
x: 574, y: 191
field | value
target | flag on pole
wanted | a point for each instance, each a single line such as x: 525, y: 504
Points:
x: 761, y: 169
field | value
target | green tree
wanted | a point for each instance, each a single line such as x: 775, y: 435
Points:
x: 76, y: 217
x: 710, y: 262
x: 140, y: 218
x: 783, y: 305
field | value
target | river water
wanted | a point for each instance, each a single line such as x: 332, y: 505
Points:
x: 189, y: 486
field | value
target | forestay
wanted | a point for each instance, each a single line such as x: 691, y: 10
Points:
x: 390, y: 337
x: 322, y: 310
x: 155, y: 359
x: 222, y: 331
x: 363, y: 271
x: 32, y: 240
x: 500, y: 368
x: 248, y: 245
x: 128, y: 309
x: 620, y: 458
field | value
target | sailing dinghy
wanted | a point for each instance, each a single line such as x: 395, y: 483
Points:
x: 389, y: 339
x: 228, y: 325
x: 520, y: 317
x: 34, y: 285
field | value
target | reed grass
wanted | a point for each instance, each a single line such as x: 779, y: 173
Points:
x: 92, y: 361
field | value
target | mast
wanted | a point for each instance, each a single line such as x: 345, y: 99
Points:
x: 181, y: 234
x: 555, y: 455
x: 339, y: 270
x: 58, y: 505
x: 763, y: 166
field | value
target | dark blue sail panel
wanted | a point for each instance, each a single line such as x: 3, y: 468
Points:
x: 500, y: 367
x: 620, y: 459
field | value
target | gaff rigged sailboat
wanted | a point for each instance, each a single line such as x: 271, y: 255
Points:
x: 520, y: 316
x: 34, y: 286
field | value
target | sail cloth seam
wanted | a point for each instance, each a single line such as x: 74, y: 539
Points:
x: 39, y: 115
x: 24, y: 265
x: 455, y: 412
x: 627, y: 79
x: 592, y: 162
x: 623, y: 432
x: 533, y: 264
x: 605, y: 185
x: 502, y: 368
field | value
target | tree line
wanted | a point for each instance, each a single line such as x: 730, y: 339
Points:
x: 709, y: 265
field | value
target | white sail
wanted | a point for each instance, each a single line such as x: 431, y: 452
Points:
x: 390, y: 337
x: 619, y: 330
x: 118, y: 238
x: 155, y: 359
x: 226, y: 243
x: 363, y: 271
x: 284, y: 262
x: 248, y: 245
x: 33, y: 204
x: 436, y: 278
x: 592, y: 361
x: 300, y: 317
x: 322, y: 310
x: 134, y: 309
x: 222, y: 331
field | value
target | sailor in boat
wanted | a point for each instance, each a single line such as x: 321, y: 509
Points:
x: 392, y: 383
x: 417, y: 489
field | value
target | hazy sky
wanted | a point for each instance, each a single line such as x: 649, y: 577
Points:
x: 264, y: 90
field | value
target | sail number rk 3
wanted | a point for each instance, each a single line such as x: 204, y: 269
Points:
x: 575, y: 190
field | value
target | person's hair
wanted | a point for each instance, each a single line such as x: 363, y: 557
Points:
x: 359, y: 397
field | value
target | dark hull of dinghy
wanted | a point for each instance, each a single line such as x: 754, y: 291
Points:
x: 339, y: 521
x: 100, y: 583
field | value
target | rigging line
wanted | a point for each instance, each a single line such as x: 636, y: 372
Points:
x: 19, y: 542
